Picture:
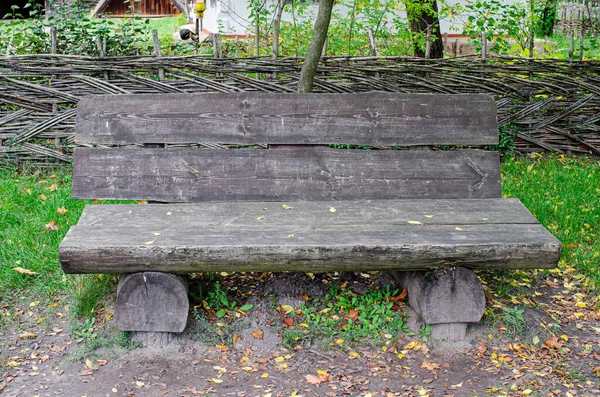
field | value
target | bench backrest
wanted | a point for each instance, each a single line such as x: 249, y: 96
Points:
x: 184, y: 172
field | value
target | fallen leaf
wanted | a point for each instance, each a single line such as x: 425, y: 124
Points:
x: 353, y: 355
x: 287, y: 207
x: 288, y: 321
x: 401, y: 296
x: 316, y: 379
x: 415, y: 222
x: 139, y: 384
x: 553, y: 343
x: 458, y: 228
x: 429, y: 216
x: 217, y: 380
x: 156, y: 234
x: 339, y: 342
x: 50, y: 225
x: 430, y: 366
x: 223, y: 348
x: 142, y: 202
x: 149, y: 242
x: 236, y: 339
x: 260, y: 218
x: 287, y: 309
x: 332, y: 209
x: 62, y: 210
x: 279, y: 359
x: 27, y: 335
x: 42, y: 197
x: 258, y: 334
x: 90, y: 364
x: 456, y: 386
x: 53, y: 187
x: 291, y: 236
x: 352, y: 314
x: 24, y: 271
x: 265, y: 375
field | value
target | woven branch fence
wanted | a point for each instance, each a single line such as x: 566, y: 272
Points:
x: 547, y: 105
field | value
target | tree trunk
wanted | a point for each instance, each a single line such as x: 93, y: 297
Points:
x: 420, y: 18
x: 276, y: 26
x: 309, y: 69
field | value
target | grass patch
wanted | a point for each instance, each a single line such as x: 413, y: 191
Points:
x: 563, y: 193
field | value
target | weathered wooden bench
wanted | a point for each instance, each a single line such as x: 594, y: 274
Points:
x: 427, y: 214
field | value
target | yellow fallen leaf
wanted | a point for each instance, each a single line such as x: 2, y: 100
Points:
x: 247, y: 369
x: 24, y: 271
x: 279, y: 359
x: 90, y: 364
x: 217, y: 380
x: 564, y: 337
x: 581, y: 305
x: 287, y: 309
x: 304, y: 325
x: 422, y: 392
x: 339, y: 342
x: 428, y: 216
x: 287, y: 207
x: 114, y: 390
x: 62, y: 210
x: 458, y: 228
x: 400, y: 355
x: 536, y: 340
x: 332, y: 209
x: 456, y: 386
x: 320, y: 372
x: 291, y: 236
x: 139, y: 384
x: 526, y: 392
x: 149, y: 242
x: 354, y: 355
x: 265, y: 375
x: 156, y: 234
x: 260, y: 218
x: 169, y: 213
x: 415, y: 222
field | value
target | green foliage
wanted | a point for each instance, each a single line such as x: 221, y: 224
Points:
x: 342, y: 314
x: 500, y: 21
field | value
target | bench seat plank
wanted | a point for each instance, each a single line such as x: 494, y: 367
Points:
x: 193, y: 175
x: 359, y: 235
x: 374, y: 118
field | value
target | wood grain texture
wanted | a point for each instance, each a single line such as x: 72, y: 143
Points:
x: 174, y: 243
x: 375, y: 119
x: 193, y: 175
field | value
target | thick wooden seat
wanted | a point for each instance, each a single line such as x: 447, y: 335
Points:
x: 308, y: 236
x: 270, y: 186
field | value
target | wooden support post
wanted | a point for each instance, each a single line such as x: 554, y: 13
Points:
x: 372, y: 43
x: 157, y: 50
x: 324, y: 52
x: 456, y: 48
x: 53, y: 40
x: 445, y: 299
x: 152, y: 302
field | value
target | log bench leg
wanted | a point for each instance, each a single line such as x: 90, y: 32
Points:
x: 446, y: 299
x: 153, y: 303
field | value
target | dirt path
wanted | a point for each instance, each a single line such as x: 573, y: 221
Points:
x: 42, y: 358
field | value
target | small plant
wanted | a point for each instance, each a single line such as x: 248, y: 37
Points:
x: 513, y: 319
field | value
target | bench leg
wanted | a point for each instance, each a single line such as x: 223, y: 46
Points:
x: 446, y: 299
x: 152, y: 302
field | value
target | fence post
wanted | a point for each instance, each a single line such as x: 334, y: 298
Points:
x: 581, y: 43
x: 445, y: 41
x: 571, y: 46
x: 161, y: 71
x: 428, y: 42
x: 456, y: 48
x: 372, y: 42
x: 53, y: 41
x: 483, y: 47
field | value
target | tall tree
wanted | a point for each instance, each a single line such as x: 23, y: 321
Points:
x: 315, y: 48
x: 423, y: 15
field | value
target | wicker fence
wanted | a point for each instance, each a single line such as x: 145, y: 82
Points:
x: 548, y: 105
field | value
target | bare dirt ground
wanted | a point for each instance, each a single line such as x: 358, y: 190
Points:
x: 556, y: 353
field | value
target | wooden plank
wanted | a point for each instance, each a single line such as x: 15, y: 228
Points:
x: 310, y: 213
x: 194, y: 175
x: 374, y: 119
x: 178, y: 244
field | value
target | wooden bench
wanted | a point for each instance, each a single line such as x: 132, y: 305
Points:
x: 427, y: 214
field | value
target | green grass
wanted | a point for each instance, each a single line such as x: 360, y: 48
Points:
x: 564, y: 195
